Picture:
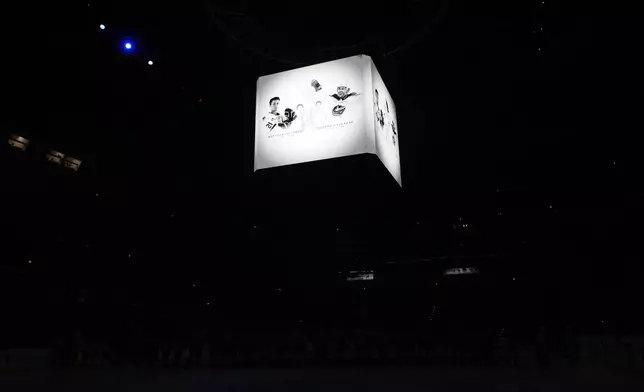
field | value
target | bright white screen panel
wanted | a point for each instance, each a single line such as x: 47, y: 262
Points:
x: 323, y: 111
x: 386, y: 126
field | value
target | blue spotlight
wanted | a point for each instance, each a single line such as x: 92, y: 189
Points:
x: 128, y: 46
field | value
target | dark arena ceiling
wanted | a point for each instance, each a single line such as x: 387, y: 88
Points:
x: 516, y: 116
x: 294, y: 33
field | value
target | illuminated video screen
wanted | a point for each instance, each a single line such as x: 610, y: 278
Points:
x: 328, y: 110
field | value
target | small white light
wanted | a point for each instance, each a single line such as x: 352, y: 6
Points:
x: 29, y: 261
x: 550, y: 207
x: 102, y: 27
x: 207, y: 303
x: 500, y: 214
x: 150, y: 62
x: 542, y: 29
x: 539, y: 48
x: 514, y: 278
x: 97, y: 195
x: 613, y: 163
x: 194, y: 285
x: 130, y: 256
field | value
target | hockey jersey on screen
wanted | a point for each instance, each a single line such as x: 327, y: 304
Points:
x: 272, y: 120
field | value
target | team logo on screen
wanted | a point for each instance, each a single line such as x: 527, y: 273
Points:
x: 380, y: 118
x: 289, y: 117
x: 338, y: 110
x: 316, y: 85
x: 342, y: 93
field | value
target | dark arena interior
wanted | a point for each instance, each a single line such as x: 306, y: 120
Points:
x: 141, y: 250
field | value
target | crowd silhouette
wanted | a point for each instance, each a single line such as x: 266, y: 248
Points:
x: 304, y: 345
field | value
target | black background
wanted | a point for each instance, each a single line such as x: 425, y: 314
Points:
x: 492, y: 130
